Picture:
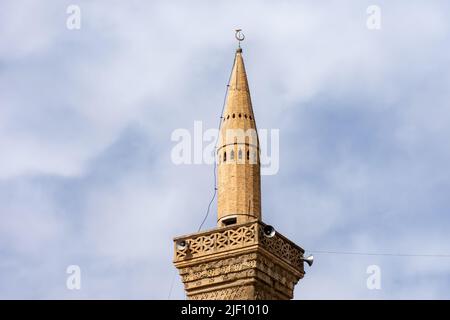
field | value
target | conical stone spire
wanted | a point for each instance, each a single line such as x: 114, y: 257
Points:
x: 239, y: 190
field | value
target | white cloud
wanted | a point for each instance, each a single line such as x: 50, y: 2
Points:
x: 362, y: 116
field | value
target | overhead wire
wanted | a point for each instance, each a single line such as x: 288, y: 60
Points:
x: 214, y: 171
x: 379, y: 254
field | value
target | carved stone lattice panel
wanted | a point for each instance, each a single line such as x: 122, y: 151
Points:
x: 239, y: 262
x: 221, y: 240
x: 282, y: 248
x: 240, y: 236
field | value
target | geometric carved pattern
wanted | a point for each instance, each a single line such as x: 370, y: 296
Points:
x: 239, y: 262
x: 218, y: 241
x: 271, y: 281
x: 224, y: 239
x: 234, y: 293
x: 224, y: 267
x: 282, y: 249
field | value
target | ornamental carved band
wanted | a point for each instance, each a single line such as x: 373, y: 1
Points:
x: 238, y: 236
x: 238, y: 262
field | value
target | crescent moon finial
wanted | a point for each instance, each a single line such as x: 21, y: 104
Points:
x: 239, y: 36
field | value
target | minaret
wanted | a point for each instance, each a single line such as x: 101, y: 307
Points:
x: 239, y: 187
x: 243, y: 258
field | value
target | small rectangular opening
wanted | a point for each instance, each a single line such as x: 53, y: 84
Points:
x: 229, y: 221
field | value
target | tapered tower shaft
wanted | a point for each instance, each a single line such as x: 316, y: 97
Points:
x: 239, y: 181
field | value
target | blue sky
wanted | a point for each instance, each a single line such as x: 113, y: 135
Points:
x: 86, y: 118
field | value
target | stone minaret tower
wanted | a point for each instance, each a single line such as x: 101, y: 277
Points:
x: 242, y: 258
x: 239, y: 184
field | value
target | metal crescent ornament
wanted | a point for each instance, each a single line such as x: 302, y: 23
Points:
x: 239, y: 35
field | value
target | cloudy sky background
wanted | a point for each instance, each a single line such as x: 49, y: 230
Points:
x: 86, y: 118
